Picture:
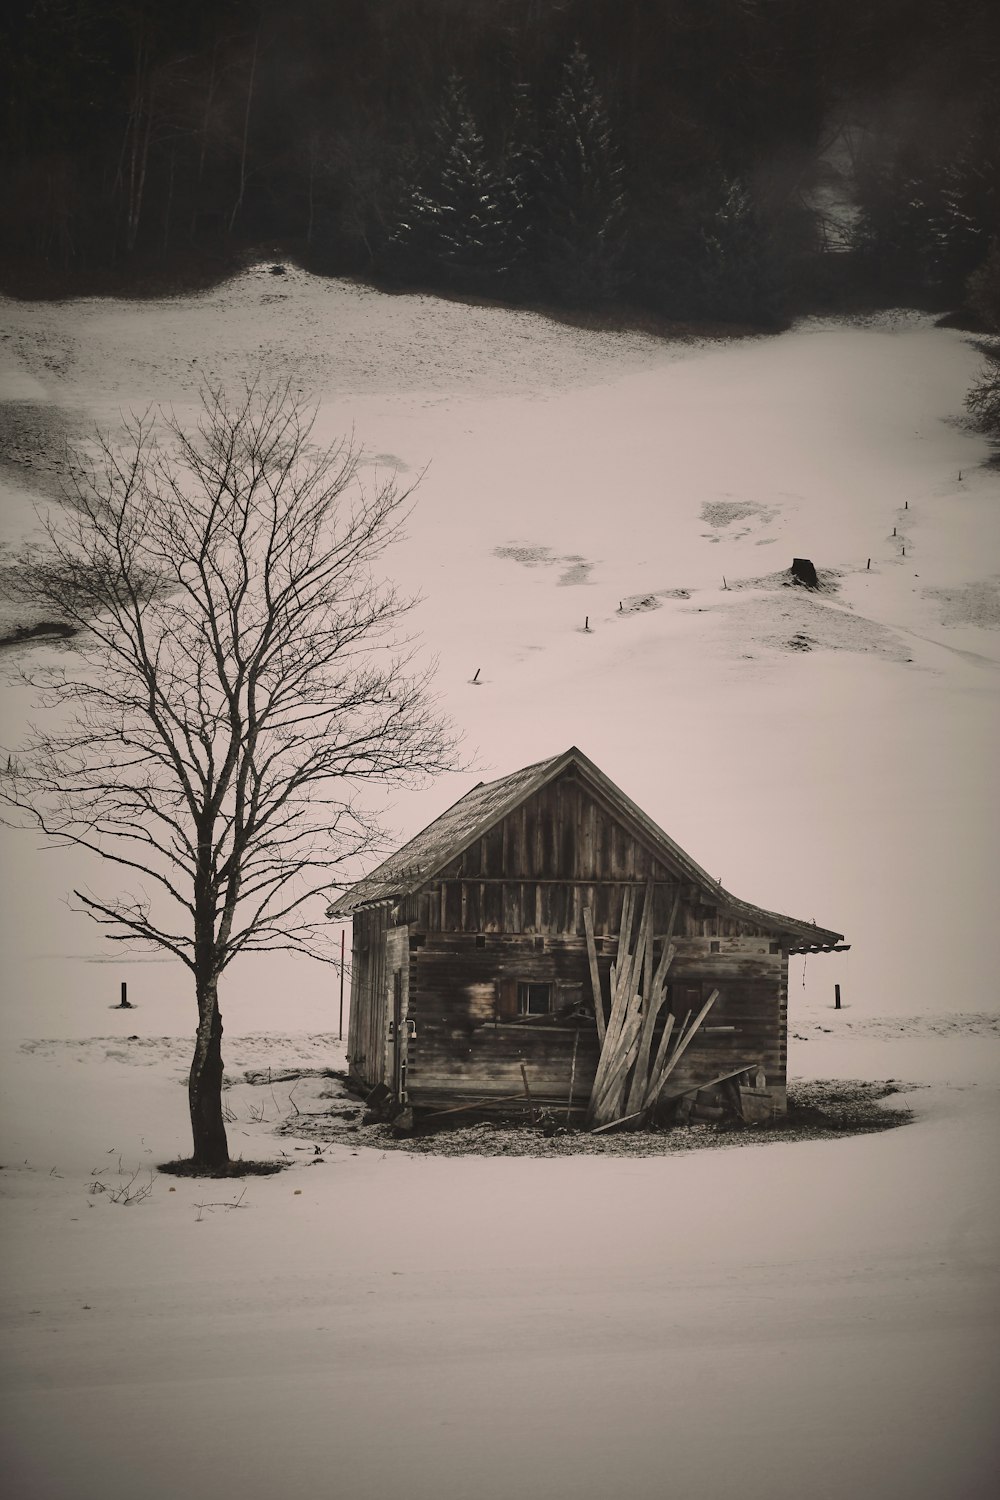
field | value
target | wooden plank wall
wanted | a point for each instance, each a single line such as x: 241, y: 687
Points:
x: 371, y: 986
x: 397, y: 961
x: 510, y: 907
x: 463, y: 1049
x: 521, y: 890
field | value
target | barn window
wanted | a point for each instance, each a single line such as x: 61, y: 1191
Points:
x: 774, y: 947
x: 480, y: 940
x: 713, y: 946
x: 533, y: 999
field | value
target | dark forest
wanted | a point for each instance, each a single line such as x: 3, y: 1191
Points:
x: 728, y: 161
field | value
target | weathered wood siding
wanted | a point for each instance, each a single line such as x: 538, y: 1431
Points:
x: 510, y: 908
x: 465, y: 1047
x: 537, y: 869
x: 367, y: 1030
x: 379, y: 951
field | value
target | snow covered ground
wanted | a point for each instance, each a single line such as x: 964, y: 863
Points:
x: 795, y: 1318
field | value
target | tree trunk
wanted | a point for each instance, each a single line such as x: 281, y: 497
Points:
x: 208, y: 1129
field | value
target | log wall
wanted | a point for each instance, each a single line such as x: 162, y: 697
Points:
x: 368, y: 1024
x: 468, y: 1047
x: 510, y: 908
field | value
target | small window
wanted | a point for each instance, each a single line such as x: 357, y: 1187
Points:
x: 713, y: 946
x: 533, y: 999
x: 774, y: 947
x: 480, y: 940
x: 417, y: 940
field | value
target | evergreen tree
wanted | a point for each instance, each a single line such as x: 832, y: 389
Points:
x: 905, y: 222
x: 581, y: 195
x: 520, y: 187
x: 982, y: 290
x: 734, y: 273
x: 454, y: 228
x: 969, y: 217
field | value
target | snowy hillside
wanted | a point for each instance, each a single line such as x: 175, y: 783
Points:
x: 825, y: 755
x: 772, y: 1321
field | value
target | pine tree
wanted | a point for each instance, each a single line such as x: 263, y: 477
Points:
x: 733, y: 273
x: 520, y: 186
x: 581, y: 193
x: 969, y: 216
x: 901, y: 211
x: 454, y: 228
x: 982, y: 289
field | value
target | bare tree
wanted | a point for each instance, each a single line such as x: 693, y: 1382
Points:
x: 236, y: 683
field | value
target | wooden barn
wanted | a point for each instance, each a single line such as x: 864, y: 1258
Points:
x: 543, y: 939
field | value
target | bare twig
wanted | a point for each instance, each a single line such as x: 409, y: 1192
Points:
x: 237, y: 680
x: 210, y: 1207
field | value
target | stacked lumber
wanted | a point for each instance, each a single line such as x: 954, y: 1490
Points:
x: 630, y: 1077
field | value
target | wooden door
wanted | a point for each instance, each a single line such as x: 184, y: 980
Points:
x: 398, y: 1037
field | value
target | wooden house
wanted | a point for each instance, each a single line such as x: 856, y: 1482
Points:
x: 477, y: 948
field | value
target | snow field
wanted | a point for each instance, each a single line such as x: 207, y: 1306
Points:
x: 794, y: 1319
x: 798, y: 1316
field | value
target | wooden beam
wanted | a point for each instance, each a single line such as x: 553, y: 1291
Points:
x: 595, y: 973
x: 599, y: 1129
x: 610, y: 1105
x: 572, y: 1076
x: 651, y: 1012
x: 679, y: 1051
x: 457, y: 1109
x: 647, y: 963
x: 722, y: 1078
x: 658, y: 1061
x: 527, y: 1092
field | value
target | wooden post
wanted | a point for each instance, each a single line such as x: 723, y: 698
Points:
x: 476, y: 678
x: 125, y: 1003
x: 340, y: 1030
x: 572, y: 1074
x: 836, y: 997
x: 868, y: 569
x: 527, y: 1091
x: 595, y: 975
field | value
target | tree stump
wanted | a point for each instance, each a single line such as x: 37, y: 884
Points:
x: 804, y: 572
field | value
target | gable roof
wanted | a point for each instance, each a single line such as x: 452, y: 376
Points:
x: 442, y: 841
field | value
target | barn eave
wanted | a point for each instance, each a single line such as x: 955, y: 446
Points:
x: 428, y: 854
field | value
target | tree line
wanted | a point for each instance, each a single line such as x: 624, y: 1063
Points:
x: 711, y: 159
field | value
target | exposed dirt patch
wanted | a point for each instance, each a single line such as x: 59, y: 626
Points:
x: 817, y: 1110
x: 187, y: 1168
x: 35, y: 439
x: 575, y: 569
x: 776, y: 613
x: 962, y: 1023
x: 45, y: 630
x: 725, y: 512
x: 737, y: 518
x: 637, y: 604
x: 970, y: 604
x: 828, y: 581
